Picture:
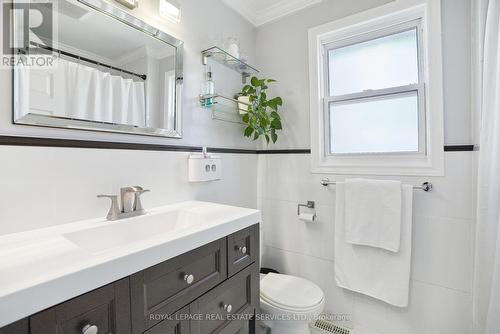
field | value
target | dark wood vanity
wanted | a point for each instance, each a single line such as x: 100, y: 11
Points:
x: 211, y: 289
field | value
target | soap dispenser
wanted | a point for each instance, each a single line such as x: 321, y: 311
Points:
x: 208, y: 89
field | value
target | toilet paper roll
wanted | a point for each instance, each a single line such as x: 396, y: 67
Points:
x: 307, y: 217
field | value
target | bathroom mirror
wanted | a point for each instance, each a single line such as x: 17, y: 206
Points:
x: 110, y: 72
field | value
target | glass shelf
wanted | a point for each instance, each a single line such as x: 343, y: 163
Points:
x: 224, y: 108
x: 222, y: 57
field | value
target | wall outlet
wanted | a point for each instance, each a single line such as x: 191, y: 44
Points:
x: 203, y: 169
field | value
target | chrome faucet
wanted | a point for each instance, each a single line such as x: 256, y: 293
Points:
x: 131, y: 204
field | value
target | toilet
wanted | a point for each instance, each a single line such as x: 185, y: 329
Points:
x: 289, y: 303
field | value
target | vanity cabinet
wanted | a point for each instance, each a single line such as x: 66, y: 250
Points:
x: 235, y: 299
x: 213, y: 289
x: 18, y: 327
x: 242, y: 249
x: 179, y: 324
x: 104, y: 310
x: 165, y: 288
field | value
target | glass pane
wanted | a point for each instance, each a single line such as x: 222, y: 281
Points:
x: 385, y: 62
x: 375, y: 125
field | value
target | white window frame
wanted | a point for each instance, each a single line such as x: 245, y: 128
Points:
x: 368, y: 25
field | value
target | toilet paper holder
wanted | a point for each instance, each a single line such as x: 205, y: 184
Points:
x: 309, y: 205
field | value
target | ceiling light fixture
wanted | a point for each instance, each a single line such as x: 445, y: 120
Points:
x: 171, y: 10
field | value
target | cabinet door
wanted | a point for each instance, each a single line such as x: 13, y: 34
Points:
x: 18, y: 327
x: 167, y: 287
x: 177, y: 323
x: 234, y: 300
x: 107, y: 308
x: 242, y: 249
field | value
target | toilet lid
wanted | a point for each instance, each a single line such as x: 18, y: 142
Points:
x: 290, y: 291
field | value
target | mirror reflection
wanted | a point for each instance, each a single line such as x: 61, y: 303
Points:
x: 108, y: 74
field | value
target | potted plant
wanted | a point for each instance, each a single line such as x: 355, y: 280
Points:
x: 261, y: 114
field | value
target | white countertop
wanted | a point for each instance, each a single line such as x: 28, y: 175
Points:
x: 41, y: 268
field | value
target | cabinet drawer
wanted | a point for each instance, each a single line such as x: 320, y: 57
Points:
x: 18, y: 327
x: 178, y: 323
x: 167, y: 287
x: 108, y: 308
x: 211, y: 313
x: 236, y: 327
x: 242, y: 249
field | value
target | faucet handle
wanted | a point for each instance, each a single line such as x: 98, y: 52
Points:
x: 138, y: 203
x: 114, y: 210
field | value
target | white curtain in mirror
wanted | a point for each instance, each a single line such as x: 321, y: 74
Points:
x: 75, y: 90
x: 487, y: 259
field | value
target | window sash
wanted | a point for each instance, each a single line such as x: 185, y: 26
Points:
x: 400, y: 90
x: 397, y: 91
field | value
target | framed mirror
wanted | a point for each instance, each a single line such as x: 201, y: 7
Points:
x: 109, y: 72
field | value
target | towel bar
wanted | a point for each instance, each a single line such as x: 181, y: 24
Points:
x: 426, y: 186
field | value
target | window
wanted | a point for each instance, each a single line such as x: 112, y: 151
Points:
x: 370, y: 109
x: 374, y: 88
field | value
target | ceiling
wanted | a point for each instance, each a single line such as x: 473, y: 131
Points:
x: 259, y: 12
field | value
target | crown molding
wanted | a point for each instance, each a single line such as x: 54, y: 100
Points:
x: 281, y: 9
x: 261, y: 16
x: 245, y: 9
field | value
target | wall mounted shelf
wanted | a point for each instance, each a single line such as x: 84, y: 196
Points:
x: 236, y: 64
x: 224, y: 108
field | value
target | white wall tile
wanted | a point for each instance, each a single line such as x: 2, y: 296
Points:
x: 49, y: 186
x: 432, y: 310
x: 442, y: 245
x: 442, y: 252
x: 283, y: 229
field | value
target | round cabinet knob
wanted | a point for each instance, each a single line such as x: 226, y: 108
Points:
x: 90, y: 329
x: 228, y: 308
x: 189, y: 278
x: 242, y: 250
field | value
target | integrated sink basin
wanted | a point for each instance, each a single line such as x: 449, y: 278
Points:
x: 44, y: 267
x: 122, y: 233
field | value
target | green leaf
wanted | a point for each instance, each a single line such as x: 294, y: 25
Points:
x: 274, y: 136
x: 255, y: 82
x: 274, y: 114
x: 276, y: 123
x: 248, y: 131
x: 271, y: 80
x: 246, y: 118
x: 267, y: 138
x: 256, y: 136
x: 277, y: 101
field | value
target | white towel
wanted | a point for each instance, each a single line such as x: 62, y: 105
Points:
x: 373, y: 213
x: 374, y: 271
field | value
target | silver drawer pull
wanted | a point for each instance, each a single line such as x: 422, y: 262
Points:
x: 90, y: 329
x: 242, y: 249
x: 228, y: 308
x: 189, y: 278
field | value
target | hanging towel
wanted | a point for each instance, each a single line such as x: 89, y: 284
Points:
x: 374, y: 271
x: 373, y: 213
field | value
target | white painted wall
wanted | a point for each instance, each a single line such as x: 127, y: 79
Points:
x: 48, y: 186
x: 283, y: 55
x: 202, y: 22
x: 440, y: 296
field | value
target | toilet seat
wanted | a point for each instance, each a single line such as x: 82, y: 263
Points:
x: 290, y: 293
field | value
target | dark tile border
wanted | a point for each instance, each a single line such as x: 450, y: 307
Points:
x: 71, y: 143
